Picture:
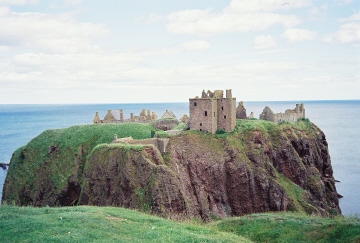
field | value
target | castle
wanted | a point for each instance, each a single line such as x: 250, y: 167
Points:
x: 213, y: 112
x: 117, y: 116
x: 291, y: 115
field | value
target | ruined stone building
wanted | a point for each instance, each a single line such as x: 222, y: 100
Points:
x: 212, y: 112
x: 241, y: 111
x: 117, y: 116
x: 168, y: 115
x: 291, y: 115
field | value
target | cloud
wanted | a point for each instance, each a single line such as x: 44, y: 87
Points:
x: 239, y: 16
x: 18, y: 2
x: 196, y: 45
x: 264, y: 42
x: 72, y: 2
x: 47, y: 32
x: 245, y: 6
x: 205, y: 23
x: 349, y: 31
x: 299, y: 35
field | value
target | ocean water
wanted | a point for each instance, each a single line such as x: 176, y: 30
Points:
x: 338, y: 119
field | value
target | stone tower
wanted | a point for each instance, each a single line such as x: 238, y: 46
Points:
x: 212, y: 112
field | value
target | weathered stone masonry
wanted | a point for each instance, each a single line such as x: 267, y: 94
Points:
x: 212, y: 112
x: 291, y: 115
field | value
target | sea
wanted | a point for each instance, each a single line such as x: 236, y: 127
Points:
x: 339, y: 119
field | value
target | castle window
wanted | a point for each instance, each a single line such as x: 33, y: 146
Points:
x: 200, y: 124
x: 205, y: 113
x: 214, y: 114
x: 195, y: 104
x: 224, y: 117
x: 222, y: 108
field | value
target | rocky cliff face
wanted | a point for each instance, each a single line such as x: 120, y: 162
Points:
x: 258, y: 168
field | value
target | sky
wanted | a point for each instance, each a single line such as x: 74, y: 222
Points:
x: 140, y: 51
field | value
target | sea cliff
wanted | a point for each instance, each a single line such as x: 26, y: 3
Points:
x: 258, y: 167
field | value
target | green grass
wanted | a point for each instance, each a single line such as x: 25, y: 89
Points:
x: 181, y: 126
x: 100, y: 224
x: 73, y: 144
x: 291, y: 227
x: 110, y: 224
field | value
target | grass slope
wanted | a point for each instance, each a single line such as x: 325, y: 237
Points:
x: 100, y: 224
x: 73, y: 145
x: 109, y: 224
x: 292, y: 227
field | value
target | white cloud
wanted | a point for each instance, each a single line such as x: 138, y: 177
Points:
x: 72, y: 2
x: 56, y: 33
x: 245, y: 6
x: 354, y: 17
x: 349, y: 32
x: 239, y: 16
x: 18, y: 2
x: 203, y: 22
x: 264, y: 42
x: 196, y: 45
x: 299, y: 35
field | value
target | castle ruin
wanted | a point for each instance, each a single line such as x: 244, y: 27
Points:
x: 213, y: 112
x: 291, y: 115
x: 117, y: 116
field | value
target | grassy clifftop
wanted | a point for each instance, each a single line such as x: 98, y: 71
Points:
x: 34, y: 166
x: 258, y: 167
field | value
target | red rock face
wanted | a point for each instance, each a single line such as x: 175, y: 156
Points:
x: 203, y: 176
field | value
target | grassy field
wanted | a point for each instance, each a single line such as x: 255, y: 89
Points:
x: 292, y: 227
x: 100, y: 224
x: 109, y: 224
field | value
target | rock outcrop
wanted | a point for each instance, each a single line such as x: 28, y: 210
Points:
x: 202, y: 175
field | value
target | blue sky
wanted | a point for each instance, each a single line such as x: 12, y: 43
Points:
x: 168, y: 51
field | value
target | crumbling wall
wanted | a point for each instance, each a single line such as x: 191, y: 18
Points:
x: 212, y: 112
x: 291, y: 115
x: 241, y: 111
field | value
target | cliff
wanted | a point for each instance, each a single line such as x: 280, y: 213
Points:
x: 259, y: 167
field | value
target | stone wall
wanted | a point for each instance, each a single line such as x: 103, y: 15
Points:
x: 212, y: 112
x: 203, y: 114
x: 291, y: 115
x: 166, y: 124
x: 241, y: 111
x: 117, y: 116
x: 159, y: 143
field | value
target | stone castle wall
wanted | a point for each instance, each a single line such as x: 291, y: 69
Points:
x: 203, y: 114
x: 212, y: 112
x: 226, y: 114
x: 159, y: 143
x: 291, y: 115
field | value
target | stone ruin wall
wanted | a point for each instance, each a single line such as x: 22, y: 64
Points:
x: 212, y: 112
x: 199, y: 120
x: 226, y: 114
x: 291, y: 115
x: 144, y: 117
x: 159, y: 143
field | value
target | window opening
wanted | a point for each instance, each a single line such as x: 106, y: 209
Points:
x: 205, y: 113
x: 195, y: 104
x: 224, y: 117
